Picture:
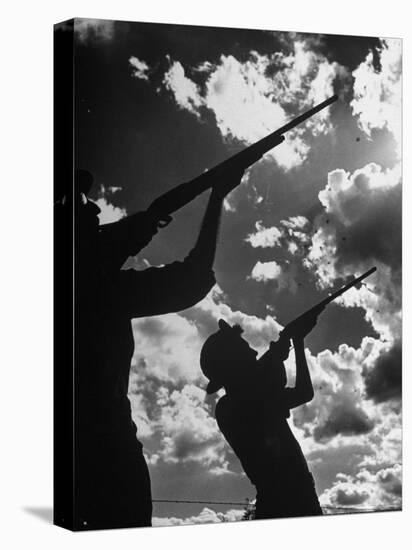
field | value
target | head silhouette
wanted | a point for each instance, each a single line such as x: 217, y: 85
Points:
x: 83, y: 181
x: 86, y: 212
x: 226, y: 357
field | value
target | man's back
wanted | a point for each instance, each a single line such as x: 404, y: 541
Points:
x: 259, y: 435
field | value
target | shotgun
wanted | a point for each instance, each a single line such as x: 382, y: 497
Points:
x: 293, y: 327
x: 184, y: 193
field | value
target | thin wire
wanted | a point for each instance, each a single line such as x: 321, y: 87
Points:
x: 246, y: 503
x: 202, y: 502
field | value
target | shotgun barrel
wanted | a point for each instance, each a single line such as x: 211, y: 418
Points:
x: 184, y: 193
x: 293, y: 327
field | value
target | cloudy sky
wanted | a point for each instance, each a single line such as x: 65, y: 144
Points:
x: 158, y: 104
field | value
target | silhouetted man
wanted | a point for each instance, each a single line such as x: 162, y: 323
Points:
x: 253, y: 416
x: 112, y: 479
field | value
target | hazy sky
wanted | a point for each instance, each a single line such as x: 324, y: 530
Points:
x: 158, y: 104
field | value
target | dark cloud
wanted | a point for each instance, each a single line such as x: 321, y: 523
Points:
x: 361, y: 227
x: 187, y: 447
x: 343, y: 420
x: 364, y: 216
x: 376, y: 235
x: 390, y: 480
x: 384, y: 381
x: 350, y: 496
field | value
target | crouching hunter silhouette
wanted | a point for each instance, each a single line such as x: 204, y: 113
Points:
x: 112, y: 483
x: 253, y: 416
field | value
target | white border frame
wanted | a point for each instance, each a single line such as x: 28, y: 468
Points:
x: 26, y: 274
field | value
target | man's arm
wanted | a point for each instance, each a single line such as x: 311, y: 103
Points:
x: 181, y: 284
x: 205, y: 249
x: 303, y: 390
x: 303, y: 386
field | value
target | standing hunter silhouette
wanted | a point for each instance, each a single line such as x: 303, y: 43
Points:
x: 253, y: 415
x: 112, y: 482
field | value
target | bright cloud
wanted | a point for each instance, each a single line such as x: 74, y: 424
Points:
x: 338, y: 408
x: 93, y: 29
x: 169, y: 345
x: 381, y: 490
x: 283, y: 276
x: 140, y: 68
x: 350, y: 431
x: 185, y: 91
x: 266, y: 271
x: 378, y: 92
x: 361, y: 227
x: 253, y: 98
x: 166, y: 392
x: 206, y: 516
x: 189, y: 431
x: 349, y: 428
x: 108, y: 212
x: 257, y: 332
x: 292, y: 234
x: 264, y: 236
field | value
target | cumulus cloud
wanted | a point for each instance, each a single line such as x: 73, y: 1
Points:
x: 380, y: 490
x: 139, y: 68
x: 189, y: 431
x: 258, y: 332
x: 347, y: 428
x: 264, y: 237
x: 206, y: 516
x: 165, y: 388
x: 97, y: 30
x: 295, y: 222
x: 178, y: 415
x: 185, y: 91
x: 108, y: 212
x: 176, y: 423
x: 169, y: 345
x: 361, y: 227
x: 343, y: 419
x: 139, y: 406
x: 283, y: 275
x: 293, y: 235
x: 265, y: 271
x: 378, y: 92
x: 348, y: 495
x: 384, y: 380
x: 338, y: 407
x: 390, y: 479
x: 250, y: 99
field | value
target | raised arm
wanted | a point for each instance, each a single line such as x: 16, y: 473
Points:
x: 179, y: 285
x: 303, y: 390
x: 303, y: 387
x: 205, y: 248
